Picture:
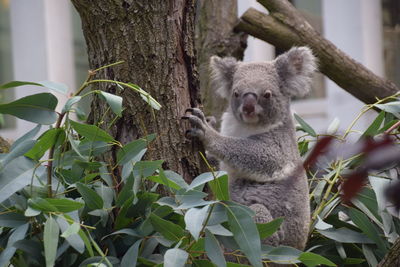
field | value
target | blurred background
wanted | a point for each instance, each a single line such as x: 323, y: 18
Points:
x: 42, y: 40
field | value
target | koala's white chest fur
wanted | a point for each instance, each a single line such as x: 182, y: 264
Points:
x: 231, y: 127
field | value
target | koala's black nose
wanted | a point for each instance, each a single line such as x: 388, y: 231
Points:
x: 249, y: 102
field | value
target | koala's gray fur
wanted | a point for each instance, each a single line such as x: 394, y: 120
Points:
x: 256, y: 144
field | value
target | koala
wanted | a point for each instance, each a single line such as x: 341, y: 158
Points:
x: 256, y: 144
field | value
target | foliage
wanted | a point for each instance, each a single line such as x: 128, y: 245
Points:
x: 64, y: 204
x: 355, y: 230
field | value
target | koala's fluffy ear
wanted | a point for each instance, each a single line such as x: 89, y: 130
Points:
x: 295, y: 69
x: 222, y: 70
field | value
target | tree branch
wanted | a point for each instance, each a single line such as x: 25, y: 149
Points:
x: 285, y: 27
x: 392, y: 258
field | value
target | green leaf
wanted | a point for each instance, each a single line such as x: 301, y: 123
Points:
x: 194, y: 219
x: 18, y: 151
x: 175, y: 257
x: 50, y: 239
x: 218, y: 229
x: 71, y: 230
x: 375, y: 125
x: 18, y: 234
x: 37, y: 108
x: 17, y: 84
x: 333, y: 126
x: 59, y: 87
x: 220, y: 187
x: 232, y: 264
x: 71, y: 233
x: 244, y: 232
x: 391, y: 107
x: 28, y: 136
x: 202, y: 263
x: 12, y: 220
x: 344, y: 235
x: 168, y: 229
x: 41, y: 204
x: 126, y: 192
x: 311, y: 259
x: 369, y: 255
x: 46, y: 141
x: 214, y: 250
x: 114, y: 101
x: 146, y: 168
x: 131, y: 150
x: 91, y: 132
x: 370, y: 230
x: 305, y: 126
x: 170, y: 179
x: 92, y: 200
x: 267, y: 229
x: 131, y: 256
x: 283, y: 254
x: 71, y: 101
x: 145, y: 96
x: 204, y: 178
x: 18, y: 175
x: 64, y: 204
x: 191, y: 198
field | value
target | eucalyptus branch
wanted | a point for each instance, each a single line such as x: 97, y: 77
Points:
x: 328, y: 191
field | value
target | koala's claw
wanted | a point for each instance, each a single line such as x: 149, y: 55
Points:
x: 196, y: 112
x: 194, y: 132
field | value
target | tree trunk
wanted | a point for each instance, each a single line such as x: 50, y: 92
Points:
x: 215, y: 21
x: 285, y: 27
x: 156, y: 41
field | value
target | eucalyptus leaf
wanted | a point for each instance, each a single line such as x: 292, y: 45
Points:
x: 370, y: 230
x: 311, y: 259
x: 214, y: 250
x: 175, y: 257
x: 45, y: 142
x: 131, y: 256
x: 114, y: 101
x: 267, y: 229
x: 18, y: 234
x: 58, y: 87
x: 168, y: 229
x: 71, y: 234
x: 91, y: 132
x: 38, y: 108
x: 194, y: 219
x: 28, y: 136
x: 18, y: 151
x: 345, y: 235
x: 92, y: 200
x: 245, y: 233
x: 70, y: 102
x: 50, y: 239
x: 18, y: 175
x: 283, y: 254
x: 305, y: 126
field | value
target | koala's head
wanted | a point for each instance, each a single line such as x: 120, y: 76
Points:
x: 259, y: 92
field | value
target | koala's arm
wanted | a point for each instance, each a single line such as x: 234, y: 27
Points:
x: 253, y: 156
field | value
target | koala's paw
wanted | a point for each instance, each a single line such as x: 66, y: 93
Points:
x: 198, y: 123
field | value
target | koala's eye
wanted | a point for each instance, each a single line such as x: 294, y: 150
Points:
x: 236, y: 94
x: 267, y: 94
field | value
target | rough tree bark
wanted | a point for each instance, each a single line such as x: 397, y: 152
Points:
x: 215, y: 21
x: 285, y: 27
x: 156, y: 41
